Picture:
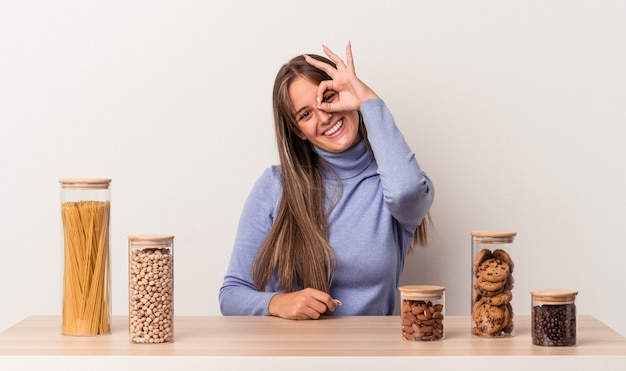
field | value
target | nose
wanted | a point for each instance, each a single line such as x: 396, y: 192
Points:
x: 323, y: 116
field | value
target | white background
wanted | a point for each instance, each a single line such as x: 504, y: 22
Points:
x: 514, y: 108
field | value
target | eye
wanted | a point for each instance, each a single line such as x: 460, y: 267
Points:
x: 304, y: 115
x: 329, y: 97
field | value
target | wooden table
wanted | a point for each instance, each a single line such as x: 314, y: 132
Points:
x: 255, y: 343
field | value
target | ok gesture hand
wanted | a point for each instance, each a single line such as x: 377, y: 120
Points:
x: 350, y: 89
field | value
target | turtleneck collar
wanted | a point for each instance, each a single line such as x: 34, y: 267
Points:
x: 349, y: 163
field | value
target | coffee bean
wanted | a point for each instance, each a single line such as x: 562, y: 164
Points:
x: 554, y: 325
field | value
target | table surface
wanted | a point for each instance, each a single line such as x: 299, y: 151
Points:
x: 217, y: 336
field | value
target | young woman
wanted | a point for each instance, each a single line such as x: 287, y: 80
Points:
x: 328, y: 230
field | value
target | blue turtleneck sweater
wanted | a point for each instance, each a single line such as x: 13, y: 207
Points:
x: 370, y: 228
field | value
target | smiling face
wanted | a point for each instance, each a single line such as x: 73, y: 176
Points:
x: 331, y: 132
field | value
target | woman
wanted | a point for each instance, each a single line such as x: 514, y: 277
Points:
x: 328, y: 230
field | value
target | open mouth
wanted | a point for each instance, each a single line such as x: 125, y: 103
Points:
x: 334, y: 129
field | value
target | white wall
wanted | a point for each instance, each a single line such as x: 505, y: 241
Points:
x: 515, y: 109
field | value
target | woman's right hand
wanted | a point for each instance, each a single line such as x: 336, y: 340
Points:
x: 350, y: 89
x: 304, y: 304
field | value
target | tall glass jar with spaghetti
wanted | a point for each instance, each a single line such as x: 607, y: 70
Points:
x: 85, y: 215
x: 151, y: 289
x: 492, y: 284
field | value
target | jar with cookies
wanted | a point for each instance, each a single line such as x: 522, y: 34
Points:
x: 422, y: 312
x: 151, y: 288
x: 492, y: 284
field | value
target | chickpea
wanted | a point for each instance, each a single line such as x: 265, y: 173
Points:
x: 151, y: 300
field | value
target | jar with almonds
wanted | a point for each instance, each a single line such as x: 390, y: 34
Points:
x: 422, y: 312
x: 492, y: 284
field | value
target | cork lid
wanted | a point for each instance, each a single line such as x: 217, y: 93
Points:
x: 85, y: 183
x: 554, y: 296
x: 422, y: 291
x: 493, y: 236
x: 150, y: 241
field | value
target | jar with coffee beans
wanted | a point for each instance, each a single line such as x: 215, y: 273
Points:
x: 492, y: 284
x: 151, y: 288
x: 553, y: 317
x: 422, y: 312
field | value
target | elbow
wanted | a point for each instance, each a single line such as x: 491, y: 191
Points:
x: 412, y: 205
x: 419, y: 192
x: 223, y: 299
x: 426, y: 193
x: 426, y: 198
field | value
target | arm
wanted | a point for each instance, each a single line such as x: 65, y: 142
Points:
x: 238, y: 294
x: 303, y: 304
x: 407, y: 190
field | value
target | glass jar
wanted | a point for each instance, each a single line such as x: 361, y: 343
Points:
x: 85, y: 216
x: 492, y: 284
x: 553, y: 317
x: 151, y: 288
x: 422, y: 312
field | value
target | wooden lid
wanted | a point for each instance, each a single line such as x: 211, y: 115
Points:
x: 85, y: 183
x: 493, y: 236
x: 151, y: 237
x: 150, y: 241
x: 422, y: 291
x: 554, y: 296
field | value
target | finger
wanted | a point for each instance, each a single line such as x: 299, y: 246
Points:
x: 330, y: 71
x: 328, y: 301
x: 349, y: 58
x: 336, y: 303
x: 312, y: 310
x: 333, y: 57
x: 322, y: 87
x: 313, y: 302
x: 306, y: 313
x: 319, y: 308
x: 326, y: 107
x: 332, y: 304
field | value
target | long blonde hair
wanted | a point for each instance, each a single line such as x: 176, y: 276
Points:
x: 297, y: 247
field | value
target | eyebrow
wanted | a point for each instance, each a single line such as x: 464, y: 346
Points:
x: 295, y: 114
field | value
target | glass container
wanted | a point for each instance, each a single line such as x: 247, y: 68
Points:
x: 151, y: 289
x: 492, y: 284
x: 422, y: 312
x: 85, y: 215
x: 553, y: 317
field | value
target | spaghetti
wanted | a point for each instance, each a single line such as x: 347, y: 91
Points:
x: 86, y: 309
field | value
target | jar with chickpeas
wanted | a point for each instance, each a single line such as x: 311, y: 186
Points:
x: 151, y: 288
x: 422, y: 312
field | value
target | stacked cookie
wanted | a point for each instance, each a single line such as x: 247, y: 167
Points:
x: 492, y: 312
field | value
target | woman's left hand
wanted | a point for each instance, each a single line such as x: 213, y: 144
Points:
x: 351, y: 90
